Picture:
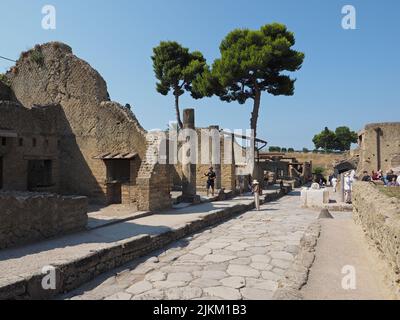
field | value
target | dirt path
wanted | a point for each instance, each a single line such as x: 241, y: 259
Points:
x: 341, y: 244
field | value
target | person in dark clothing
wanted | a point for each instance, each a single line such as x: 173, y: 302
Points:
x: 366, y: 177
x: 211, y: 176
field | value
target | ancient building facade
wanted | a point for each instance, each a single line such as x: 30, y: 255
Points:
x: 97, y: 147
x: 281, y: 166
x: 379, y: 147
x: 29, y: 154
x: 220, y: 150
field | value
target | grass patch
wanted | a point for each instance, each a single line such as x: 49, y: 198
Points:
x: 37, y: 57
x: 390, y: 191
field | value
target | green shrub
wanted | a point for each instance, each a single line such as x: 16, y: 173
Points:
x: 274, y: 149
x: 37, y: 56
x: 318, y: 170
x: 4, y: 79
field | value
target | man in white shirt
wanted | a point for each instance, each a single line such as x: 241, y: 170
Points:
x: 348, y: 186
x: 334, y: 183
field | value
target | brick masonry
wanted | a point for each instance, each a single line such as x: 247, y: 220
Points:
x: 27, y: 217
x: 379, y: 147
x: 87, y: 125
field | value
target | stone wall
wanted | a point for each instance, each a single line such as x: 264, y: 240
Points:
x: 379, y: 147
x: 91, y: 124
x: 27, y: 217
x: 321, y: 160
x: 36, y: 138
x: 207, y: 157
x: 379, y: 217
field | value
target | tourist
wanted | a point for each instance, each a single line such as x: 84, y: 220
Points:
x: 334, y: 183
x: 330, y: 179
x: 366, y: 177
x: 389, y: 177
x: 393, y: 183
x: 241, y: 184
x: 348, y: 185
x: 211, y: 176
x: 398, y: 180
x: 257, y: 192
x: 375, y: 175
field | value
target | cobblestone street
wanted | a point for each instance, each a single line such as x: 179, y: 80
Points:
x: 243, y: 258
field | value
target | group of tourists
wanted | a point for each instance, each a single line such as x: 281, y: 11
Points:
x: 390, y: 179
x: 349, y: 178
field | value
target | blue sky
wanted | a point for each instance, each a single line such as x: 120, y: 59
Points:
x: 349, y: 77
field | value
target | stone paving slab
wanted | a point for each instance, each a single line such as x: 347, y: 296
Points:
x: 246, y: 257
x: 80, y: 257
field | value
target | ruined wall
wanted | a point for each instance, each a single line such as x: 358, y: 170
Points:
x: 27, y: 217
x: 37, y: 139
x: 379, y: 216
x: 153, y: 182
x: 92, y: 124
x: 226, y: 173
x: 389, y: 141
x: 325, y: 161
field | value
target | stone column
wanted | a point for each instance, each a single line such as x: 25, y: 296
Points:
x: 189, y: 150
x: 215, y: 153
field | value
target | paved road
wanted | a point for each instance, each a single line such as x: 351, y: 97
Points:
x: 242, y: 258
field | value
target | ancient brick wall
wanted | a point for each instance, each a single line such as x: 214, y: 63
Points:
x: 91, y: 124
x: 26, y: 217
x: 214, y: 156
x: 36, y: 138
x: 388, y: 156
x: 379, y: 216
x: 153, y: 184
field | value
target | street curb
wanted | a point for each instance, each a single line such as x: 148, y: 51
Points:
x: 297, y: 275
x: 74, y: 273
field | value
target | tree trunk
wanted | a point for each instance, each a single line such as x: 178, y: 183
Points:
x: 178, y: 113
x: 254, y: 114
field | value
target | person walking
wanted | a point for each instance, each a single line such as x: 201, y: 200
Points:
x: 334, y: 182
x: 347, y: 187
x: 257, y: 192
x: 211, y: 176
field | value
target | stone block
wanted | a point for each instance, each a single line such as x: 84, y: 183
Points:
x: 314, y: 198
